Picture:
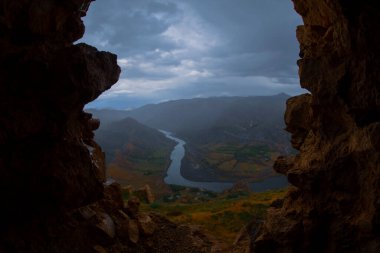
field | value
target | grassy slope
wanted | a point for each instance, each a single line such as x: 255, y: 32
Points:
x: 252, y: 162
x: 220, y: 215
x: 241, y: 160
x: 137, y: 179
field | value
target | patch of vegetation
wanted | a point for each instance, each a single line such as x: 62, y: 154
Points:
x: 177, y: 188
x: 155, y: 205
x: 125, y: 194
x: 249, y: 161
x: 222, y: 215
x: 236, y: 195
x: 253, y: 152
x: 228, y: 149
x: 150, y: 164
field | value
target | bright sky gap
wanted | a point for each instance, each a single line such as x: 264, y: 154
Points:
x: 173, y: 49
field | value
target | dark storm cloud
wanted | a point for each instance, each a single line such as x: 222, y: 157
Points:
x: 252, y: 25
x: 130, y: 26
x: 258, y: 36
x: 170, y: 49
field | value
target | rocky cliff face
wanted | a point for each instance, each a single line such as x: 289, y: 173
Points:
x: 52, y: 174
x: 53, y: 190
x: 45, y: 137
x: 333, y: 204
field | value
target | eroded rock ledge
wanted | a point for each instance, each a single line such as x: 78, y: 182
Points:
x: 333, y: 204
x: 52, y: 173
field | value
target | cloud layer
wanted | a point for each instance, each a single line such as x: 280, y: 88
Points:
x: 171, y: 49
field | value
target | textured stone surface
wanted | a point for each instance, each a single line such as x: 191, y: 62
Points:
x: 333, y: 205
x: 146, y: 224
x: 55, y: 198
x: 52, y: 174
x: 46, y: 163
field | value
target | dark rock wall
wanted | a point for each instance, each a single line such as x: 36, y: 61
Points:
x: 49, y: 164
x: 53, y: 190
x: 45, y: 81
x: 54, y: 198
x: 333, y: 204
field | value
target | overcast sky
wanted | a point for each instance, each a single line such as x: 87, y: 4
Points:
x: 172, y: 49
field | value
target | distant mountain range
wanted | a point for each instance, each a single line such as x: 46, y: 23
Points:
x: 212, y: 120
x: 127, y: 137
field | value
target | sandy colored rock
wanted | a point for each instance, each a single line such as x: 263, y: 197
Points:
x: 87, y: 212
x: 112, y: 197
x: 146, y: 224
x: 133, y: 206
x: 133, y: 231
x: 122, y: 225
x: 283, y: 164
x: 144, y: 194
x: 149, y: 194
x: 99, y: 249
x: 106, y: 224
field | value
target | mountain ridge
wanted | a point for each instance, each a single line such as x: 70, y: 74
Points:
x: 196, y: 116
x: 128, y: 135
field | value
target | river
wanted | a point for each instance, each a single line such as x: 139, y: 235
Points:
x: 174, y: 174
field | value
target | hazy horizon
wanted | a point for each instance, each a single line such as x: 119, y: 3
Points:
x: 96, y: 106
x: 170, y: 50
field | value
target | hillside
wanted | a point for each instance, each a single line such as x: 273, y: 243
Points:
x: 228, y: 138
x: 131, y: 138
x: 134, y: 151
x: 108, y: 116
x: 221, y: 215
x: 212, y: 120
x: 57, y: 199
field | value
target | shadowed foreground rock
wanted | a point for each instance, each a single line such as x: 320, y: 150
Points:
x: 334, y: 203
x: 52, y: 174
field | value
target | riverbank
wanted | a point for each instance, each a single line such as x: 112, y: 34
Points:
x: 175, y: 177
x: 195, y: 168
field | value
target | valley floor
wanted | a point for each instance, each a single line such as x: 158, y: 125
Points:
x: 221, y: 216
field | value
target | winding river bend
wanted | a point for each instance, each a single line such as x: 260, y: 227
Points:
x: 174, y: 174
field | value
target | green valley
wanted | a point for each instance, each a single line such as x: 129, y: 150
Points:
x: 221, y: 215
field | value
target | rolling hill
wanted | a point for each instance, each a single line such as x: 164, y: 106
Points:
x: 216, y: 119
x: 129, y: 137
x: 135, y: 154
x: 228, y: 138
